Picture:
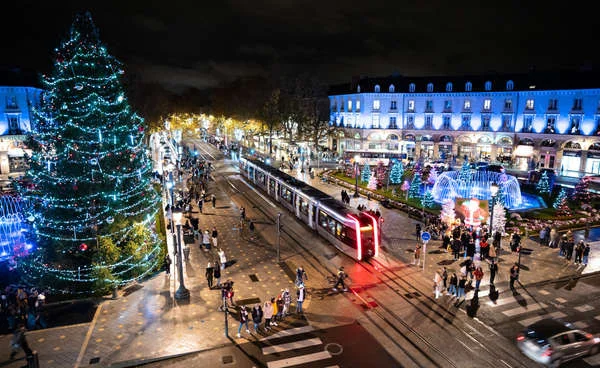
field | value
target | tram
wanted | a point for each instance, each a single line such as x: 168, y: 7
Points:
x: 354, y: 233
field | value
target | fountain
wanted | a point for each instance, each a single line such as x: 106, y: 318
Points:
x: 451, y: 185
x: 12, y: 227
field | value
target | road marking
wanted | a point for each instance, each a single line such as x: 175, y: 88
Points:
x: 466, y: 346
x: 88, y: 335
x: 205, y: 151
x: 584, y: 308
x: 299, y: 360
x: 581, y: 324
x: 509, y: 299
x: 528, y: 321
x: 557, y: 315
x: 292, y: 346
x: 289, y: 332
x: 257, y: 192
x: 520, y: 310
x: 544, y: 292
x: 561, y: 300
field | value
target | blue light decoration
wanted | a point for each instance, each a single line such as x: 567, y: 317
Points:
x: 13, y: 228
x: 588, y: 126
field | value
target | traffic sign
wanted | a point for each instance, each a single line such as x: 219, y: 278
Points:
x: 425, y: 236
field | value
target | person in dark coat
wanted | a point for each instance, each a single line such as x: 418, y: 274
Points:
x: 493, y: 270
x: 19, y: 341
x: 217, y: 274
x: 214, y: 201
x: 209, y: 274
x: 570, y: 246
x: 257, y: 316
x: 579, y: 252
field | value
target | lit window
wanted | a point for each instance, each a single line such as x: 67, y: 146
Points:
x: 449, y: 87
x: 487, y: 104
x: 357, y: 105
x: 467, y: 105
x: 430, y: 87
x: 377, y: 89
x: 529, y: 104
x: 468, y: 86
x: 447, y: 105
x: 411, y: 87
x: 510, y: 85
x: 411, y: 105
x: 508, y: 104
x: 488, y: 86
x: 376, y: 104
x: 392, y: 88
x: 349, y: 105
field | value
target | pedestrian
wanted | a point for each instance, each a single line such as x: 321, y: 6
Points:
x: 478, y: 273
x: 586, y: 254
x: 493, y: 270
x: 206, y: 241
x: 214, y: 201
x: 19, y: 341
x: 230, y: 292
x: 268, y: 311
x: 257, y: 315
x: 456, y: 248
x: 445, y: 278
x: 209, y: 274
x: 553, y: 238
x: 300, y: 298
x: 492, y: 252
x: 222, y: 258
x: 275, y: 311
x: 437, y: 280
x: 168, y: 265
x: 453, y: 285
x: 243, y: 320
x: 341, y: 275
x: 242, y: 214
x: 200, y: 204
x: 287, y: 300
x: 514, y: 276
x: 418, y: 231
x: 563, y: 246
x: 484, y: 247
x: 301, y: 276
x: 462, y: 282
x: 570, y: 247
x: 217, y: 273
x: 417, y: 259
x: 214, y: 236
x: 579, y: 252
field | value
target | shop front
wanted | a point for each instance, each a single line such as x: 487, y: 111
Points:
x: 547, y: 154
x: 407, y: 147
x: 483, y: 149
x: 571, y: 159
x: 523, y: 155
x: 426, y: 148
x: 465, y: 149
x: 445, y: 147
x: 504, y: 150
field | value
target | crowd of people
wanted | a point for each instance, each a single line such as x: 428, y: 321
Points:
x: 21, y: 305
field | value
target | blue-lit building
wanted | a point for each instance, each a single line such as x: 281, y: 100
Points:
x: 535, y: 120
x: 19, y: 94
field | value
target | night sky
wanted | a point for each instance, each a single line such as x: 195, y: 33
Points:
x: 203, y: 44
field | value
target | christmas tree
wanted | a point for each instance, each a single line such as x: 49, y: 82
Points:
x: 543, y: 185
x: 448, y: 214
x: 372, y: 182
x: 92, y: 201
x: 432, y: 177
x: 581, y: 192
x: 562, y: 195
x: 427, y: 200
x: 381, y: 173
x: 499, y: 219
x: 415, y: 187
x: 396, y: 172
x: 465, y: 172
x: 563, y: 209
x: 365, y: 174
x: 502, y: 187
x: 405, y: 187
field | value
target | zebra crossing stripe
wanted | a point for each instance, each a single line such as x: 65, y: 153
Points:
x: 507, y: 300
x: 584, y: 308
x: 291, y: 346
x: 528, y: 321
x: 520, y: 310
x: 289, y: 332
x: 299, y: 360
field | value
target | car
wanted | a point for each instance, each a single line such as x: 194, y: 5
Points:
x: 552, y: 342
x: 496, y: 168
x: 592, y: 178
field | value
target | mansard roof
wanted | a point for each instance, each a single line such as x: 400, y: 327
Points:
x: 555, y: 80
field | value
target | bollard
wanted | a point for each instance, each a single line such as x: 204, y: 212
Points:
x: 115, y: 294
x: 186, y: 253
x: 33, y: 360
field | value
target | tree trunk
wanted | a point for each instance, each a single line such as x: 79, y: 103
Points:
x: 270, y: 142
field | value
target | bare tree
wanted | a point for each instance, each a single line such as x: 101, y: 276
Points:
x: 271, y: 115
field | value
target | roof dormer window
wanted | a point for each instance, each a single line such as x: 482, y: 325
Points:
x: 430, y: 87
x: 488, y: 86
x: 468, y: 86
x: 392, y: 88
x: 411, y: 87
x: 377, y: 88
x: 448, y: 87
x: 510, y: 85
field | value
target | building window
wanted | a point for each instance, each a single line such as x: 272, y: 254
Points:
x: 411, y: 87
x: 349, y: 105
x: 13, y: 125
x: 485, y: 122
x: 508, y: 104
x: 429, y: 105
x: 527, y: 123
x: 466, y: 122
x: 393, y: 122
x: 430, y: 87
x: 487, y: 104
x: 467, y: 105
x: 552, y: 104
x: 506, y: 120
x: 410, y: 122
x: 448, y: 87
x: 392, y: 88
x: 411, y: 105
x: 446, y: 122
x: 574, y: 127
x: 578, y: 104
x: 448, y: 105
x: 468, y: 86
x: 375, y: 122
x: 11, y: 102
x: 428, y: 121
x: 550, y: 121
x: 377, y: 88
x: 376, y: 105
x: 529, y: 104
x: 488, y: 86
x: 510, y: 85
x: 357, y: 104
x: 357, y: 89
x: 393, y: 105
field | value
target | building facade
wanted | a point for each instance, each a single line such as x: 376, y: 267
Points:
x: 524, y: 121
x: 16, y: 120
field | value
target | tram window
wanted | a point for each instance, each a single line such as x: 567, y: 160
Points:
x: 332, y: 223
x: 339, y: 231
x: 303, y: 206
x: 286, y: 194
x: 271, y: 185
x: 323, y: 219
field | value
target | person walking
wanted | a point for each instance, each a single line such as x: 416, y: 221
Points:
x: 478, y: 273
x: 268, y: 310
x: 222, y: 258
x: 300, y: 298
x: 214, y: 201
x: 257, y: 316
x: 570, y: 247
x: 417, y: 259
x: 452, y: 290
x: 301, y: 276
x: 275, y: 311
x: 456, y: 244
x: 214, y: 235
x: 341, y: 275
x: 287, y: 300
x: 514, y: 276
x: 445, y: 278
x: 418, y: 231
x: 19, y: 341
x: 168, y: 265
x: 209, y: 274
x: 243, y: 320
x: 462, y: 282
x: 217, y: 274
x: 437, y: 280
x: 586, y: 254
x: 579, y: 252
x: 206, y: 240
x: 200, y: 204
x: 493, y: 270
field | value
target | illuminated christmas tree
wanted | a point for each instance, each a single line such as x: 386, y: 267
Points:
x: 381, y: 173
x: 92, y: 202
x: 563, y: 209
x: 543, y: 185
x: 562, y: 195
x: 396, y: 172
x: 465, y: 172
x: 499, y: 224
x: 372, y: 182
x: 448, y: 214
x: 365, y: 174
x: 427, y: 200
x: 581, y: 193
x: 415, y: 186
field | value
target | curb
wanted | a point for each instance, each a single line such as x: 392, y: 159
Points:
x: 142, y: 362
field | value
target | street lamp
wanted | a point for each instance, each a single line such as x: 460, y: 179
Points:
x: 182, y: 292
x: 493, y: 191
x: 356, y: 158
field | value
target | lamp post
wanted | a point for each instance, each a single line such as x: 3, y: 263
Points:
x: 182, y: 292
x: 356, y: 158
x: 493, y: 191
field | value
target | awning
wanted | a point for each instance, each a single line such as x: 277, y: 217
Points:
x: 524, y: 151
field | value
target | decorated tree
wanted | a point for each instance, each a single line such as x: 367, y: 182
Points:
x: 581, y: 192
x: 501, y: 197
x: 415, y: 187
x: 562, y: 195
x: 427, y: 200
x: 543, y: 185
x: 405, y: 187
x: 381, y: 173
x: 563, y: 209
x: 396, y: 172
x: 365, y: 174
x: 499, y: 224
x: 465, y: 172
x: 372, y: 182
x: 432, y: 177
x: 448, y: 214
x: 92, y: 202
